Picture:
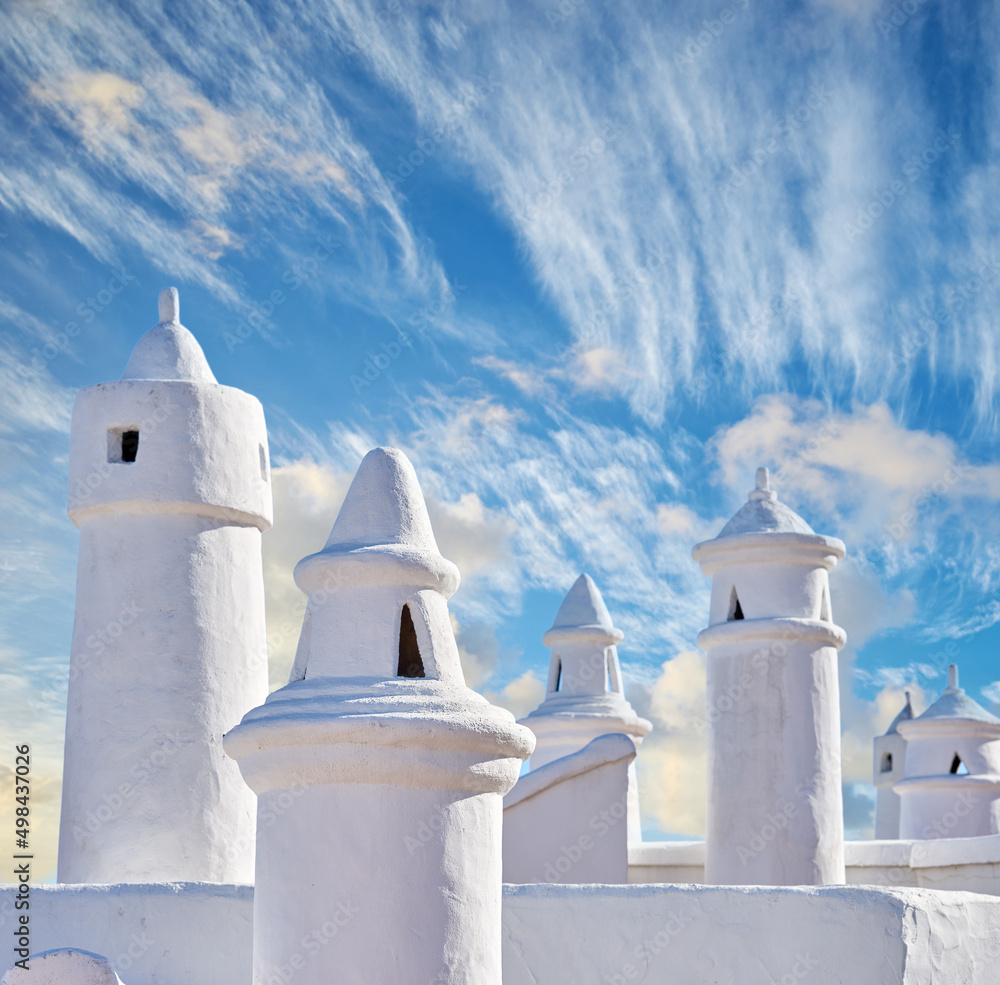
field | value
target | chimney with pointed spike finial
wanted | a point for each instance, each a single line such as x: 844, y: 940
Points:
x: 170, y: 487
x: 585, y: 695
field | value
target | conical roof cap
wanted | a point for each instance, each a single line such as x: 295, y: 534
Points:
x: 905, y: 714
x: 583, y: 616
x: 382, y: 534
x: 955, y: 703
x: 583, y: 606
x: 168, y: 351
x: 383, y: 506
x: 762, y: 513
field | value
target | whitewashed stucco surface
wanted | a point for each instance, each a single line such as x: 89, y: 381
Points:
x: 200, y: 934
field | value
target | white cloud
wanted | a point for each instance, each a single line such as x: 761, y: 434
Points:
x: 671, y: 763
x: 520, y: 696
x: 905, y: 501
x: 307, y: 498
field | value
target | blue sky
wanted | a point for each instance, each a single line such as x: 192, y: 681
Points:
x: 588, y: 265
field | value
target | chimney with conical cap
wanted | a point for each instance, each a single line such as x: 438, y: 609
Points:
x: 888, y: 760
x: 585, y: 697
x: 170, y: 487
x: 775, y: 806
x: 386, y: 771
x: 950, y: 786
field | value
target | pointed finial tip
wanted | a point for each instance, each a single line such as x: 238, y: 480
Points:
x: 907, y: 693
x: 170, y: 305
x: 953, y: 677
x: 763, y: 490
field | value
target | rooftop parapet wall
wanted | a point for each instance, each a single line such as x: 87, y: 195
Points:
x: 960, y: 864
x: 200, y: 934
x: 837, y: 935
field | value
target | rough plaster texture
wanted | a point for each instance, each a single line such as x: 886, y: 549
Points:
x: 191, y: 934
x: 386, y: 861
x: 169, y: 642
x: 775, y: 810
x: 64, y: 966
x: 567, y: 822
x: 837, y: 935
x: 151, y: 934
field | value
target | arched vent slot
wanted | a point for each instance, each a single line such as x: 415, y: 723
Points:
x: 410, y: 662
x: 614, y: 681
x: 558, y: 674
x: 824, y: 609
x: 887, y: 762
x: 957, y: 766
x: 735, y: 609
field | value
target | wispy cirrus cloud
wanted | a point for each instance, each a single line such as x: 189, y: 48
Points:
x: 663, y: 208
x: 181, y: 141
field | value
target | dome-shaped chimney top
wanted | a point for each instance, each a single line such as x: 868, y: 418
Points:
x: 954, y: 703
x: 168, y: 351
x: 763, y: 513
